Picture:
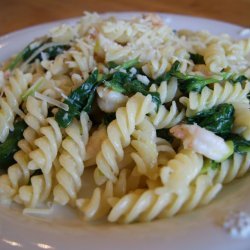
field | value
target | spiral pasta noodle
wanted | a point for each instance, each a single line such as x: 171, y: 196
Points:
x: 164, y: 118
x: 119, y: 134
x: 215, y: 57
x: 13, y: 91
x: 181, y: 170
x: 19, y: 174
x: 232, y: 168
x: 71, y: 160
x: 42, y: 158
x: 97, y: 205
x: 146, y: 205
x: 167, y: 90
x: 208, y: 98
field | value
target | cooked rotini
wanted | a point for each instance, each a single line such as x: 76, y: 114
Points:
x: 167, y: 90
x: 124, y: 120
x: 41, y: 158
x: 18, y: 173
x: 181, y: 170
x: 232, y: 168
x: 146, y: 205
x: 71, y: 160
x: 9, y: 104
x: 164, y: 118
x: 215, y: 57
x: 119, y: 134
x: 227, y: 93
x: 97, y: 205
x: 146, y: 154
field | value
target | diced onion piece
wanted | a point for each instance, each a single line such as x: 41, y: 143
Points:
x: 52, y: 101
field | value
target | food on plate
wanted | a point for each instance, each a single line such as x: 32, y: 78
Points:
x: 159, y: 117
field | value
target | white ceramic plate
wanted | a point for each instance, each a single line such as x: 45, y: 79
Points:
x: 200, y: 229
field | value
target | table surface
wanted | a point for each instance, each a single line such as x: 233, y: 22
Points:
x: 17, y: 14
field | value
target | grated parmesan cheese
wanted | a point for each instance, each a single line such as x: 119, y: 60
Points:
x: 52, y: 101
x: 238, y: 224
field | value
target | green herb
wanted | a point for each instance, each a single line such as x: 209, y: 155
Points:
x: 127, y: 65
x: 52, y: 52
x: 80, y: 99
x: 31, y: 48
x: 209, y: 164
x: 240, y: 144
x: 126, y: 84
x: 10, y: 147
x: 108, y: 118
x: 112, y: 65
x: 187, y: 82
x: 197, y: 58
x: 165, y: 134
x: 26, y: 52
x: 166, y: 76
x: 218, y: 119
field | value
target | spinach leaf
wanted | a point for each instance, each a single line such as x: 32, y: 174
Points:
x: 26, y: 53
x: 126, y: 84
x: 80, y: 99
x: 197, y: 58
x: 129, y: 64
x: 187, y: 82
x: 30, y: 49
x: 218, y: 119
x: 240, y: 144
x: 52, y: 52
x: 10, y: 147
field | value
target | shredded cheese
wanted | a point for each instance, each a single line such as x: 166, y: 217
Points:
x: 52, y: 101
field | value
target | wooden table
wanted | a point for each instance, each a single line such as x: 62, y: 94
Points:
x: 17, y: 14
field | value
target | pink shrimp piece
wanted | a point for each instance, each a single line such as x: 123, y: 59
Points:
x: 203, y: 141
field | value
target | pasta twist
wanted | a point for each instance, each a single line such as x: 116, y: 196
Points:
x: 167, y: 90
x: 47, y: 147
x: 146, y: 154
x: 242, y: 120
x: 181, y: 170
x: 97, y: 205
x: 119, y: 136
x: 215, y: 57
x: 146, y: 205
x: 227, y: 93
x: 9, y: 104
x: 167, y: 118
x: 165, y: 151
x: 18, y: 173
x: 232, y: 168
x: 31, y: 196
x: 41, y: 158
x: 71, y: 160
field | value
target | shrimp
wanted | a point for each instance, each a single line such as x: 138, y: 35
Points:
x: 203, y: 141
x: 109, y: 101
